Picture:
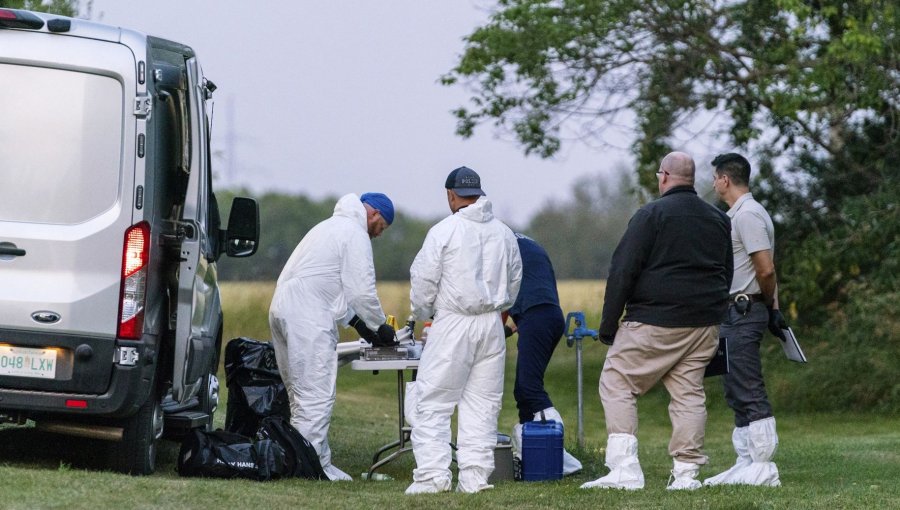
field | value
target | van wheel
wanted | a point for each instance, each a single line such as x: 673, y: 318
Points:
x: 209, y: 397
x: 136, y: 454
x: 209, y: 390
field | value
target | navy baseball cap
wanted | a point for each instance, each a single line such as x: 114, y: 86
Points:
x: 464, y: 182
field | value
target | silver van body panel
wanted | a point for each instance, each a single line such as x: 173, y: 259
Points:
x: 72, y: 269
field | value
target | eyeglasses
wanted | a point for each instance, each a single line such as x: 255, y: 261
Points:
x: 661, y: 172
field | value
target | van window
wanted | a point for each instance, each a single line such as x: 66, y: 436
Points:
x: 60, y: 144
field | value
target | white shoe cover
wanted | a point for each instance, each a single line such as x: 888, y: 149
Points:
x: 428, y: 487
x: 472, y: 480
x: 739, y: 439
x: 571, y: 465
x: 335, y: 474
x: 755, y: 446
x: 684, y: 476
x: 622, y: 460
x: 515, y: 440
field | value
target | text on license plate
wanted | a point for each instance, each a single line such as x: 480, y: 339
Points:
x: 27, y: 362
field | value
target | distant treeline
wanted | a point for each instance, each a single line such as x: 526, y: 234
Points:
x: 579, y: 233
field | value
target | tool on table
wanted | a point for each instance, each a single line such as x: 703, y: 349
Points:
x: 574, y: 338
x: 406, y: 348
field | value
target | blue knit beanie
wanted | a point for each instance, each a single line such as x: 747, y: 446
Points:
x: 381, y: 203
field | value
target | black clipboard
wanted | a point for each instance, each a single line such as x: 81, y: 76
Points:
x: 719, y: 365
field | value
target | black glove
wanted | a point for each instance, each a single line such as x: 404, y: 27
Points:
x: 508, y: 331
x: 386, y: 336
x: 776, y: 323
x: 364, y: 332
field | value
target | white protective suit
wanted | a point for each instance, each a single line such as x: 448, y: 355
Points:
x: 329, y: 278
x: 467, y: 272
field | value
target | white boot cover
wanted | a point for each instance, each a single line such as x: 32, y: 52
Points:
x: 335, y: 474
x: 684, y: 476
x: 472, y: 480
x: 516, y: 440
x: 432, y: 486
x: 571, y: 465
x: 757, y: 468
x: 763, y: 444
x: 622, y: 460
x: 740, y: 439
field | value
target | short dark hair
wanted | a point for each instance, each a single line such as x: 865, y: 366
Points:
x: 735, y: 166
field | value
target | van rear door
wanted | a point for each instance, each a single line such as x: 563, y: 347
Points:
x: 65, y: 204
x: 198, y: 291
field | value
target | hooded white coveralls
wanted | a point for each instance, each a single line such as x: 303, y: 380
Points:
x: 466, y: 273
x: 329, y: 278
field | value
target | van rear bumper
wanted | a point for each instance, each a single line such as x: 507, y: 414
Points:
x: 128, y: 389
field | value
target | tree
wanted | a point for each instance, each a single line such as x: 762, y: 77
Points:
x: 581, y: 234
x: 811, y: 86
x: 62, y: 7
x: 806, y: 74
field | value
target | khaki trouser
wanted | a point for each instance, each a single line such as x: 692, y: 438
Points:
x: 641, y: 356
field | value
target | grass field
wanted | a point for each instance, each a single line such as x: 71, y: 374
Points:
x: 826, y: 460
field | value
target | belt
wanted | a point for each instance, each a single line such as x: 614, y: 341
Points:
x: 754, y: 298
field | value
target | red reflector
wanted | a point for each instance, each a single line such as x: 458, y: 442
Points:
x: 77, y: 404
x: 136, y: 251
x: 135, y: 256
x: 7, y: 14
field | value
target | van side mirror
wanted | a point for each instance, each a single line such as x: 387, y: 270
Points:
x: 242, y: 236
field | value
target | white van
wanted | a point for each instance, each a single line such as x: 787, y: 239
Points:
x: 110, y: 319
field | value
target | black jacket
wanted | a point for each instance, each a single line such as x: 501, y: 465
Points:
x: 673, y: 266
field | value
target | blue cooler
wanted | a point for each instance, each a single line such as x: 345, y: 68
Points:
x: 542, y: 451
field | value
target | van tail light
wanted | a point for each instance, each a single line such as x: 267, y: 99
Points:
x: 133, y: 293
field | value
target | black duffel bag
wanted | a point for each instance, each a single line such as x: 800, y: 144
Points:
x: 223, y: 454
x: 301, y: 458
x: 255, y: 388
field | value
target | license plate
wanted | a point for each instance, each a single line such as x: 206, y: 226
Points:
x: 25, y: 362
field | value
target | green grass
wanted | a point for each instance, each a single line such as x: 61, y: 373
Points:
x: 826, y: 460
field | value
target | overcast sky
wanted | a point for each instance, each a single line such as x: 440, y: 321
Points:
x: 329, y: 97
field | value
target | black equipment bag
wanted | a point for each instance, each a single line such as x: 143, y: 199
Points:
x: 300, y: 455
x: 255, y: 388
x: 223, y: 454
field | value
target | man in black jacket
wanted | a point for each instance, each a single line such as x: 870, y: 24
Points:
x: 670, y: 274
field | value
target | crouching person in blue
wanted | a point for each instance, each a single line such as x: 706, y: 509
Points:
x: 540, y: 324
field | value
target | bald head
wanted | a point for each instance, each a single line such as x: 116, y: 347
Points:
x: 676, y: 169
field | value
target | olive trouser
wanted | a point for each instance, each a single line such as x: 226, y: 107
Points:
x: 643, y: 355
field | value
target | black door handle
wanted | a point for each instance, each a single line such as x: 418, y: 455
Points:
x: 15, y: 252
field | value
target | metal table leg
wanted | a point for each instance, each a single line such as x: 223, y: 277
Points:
x: 402, y: 432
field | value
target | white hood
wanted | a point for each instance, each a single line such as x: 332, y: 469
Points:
x: 468, y: 264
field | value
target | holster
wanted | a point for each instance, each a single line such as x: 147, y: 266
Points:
x: 742, y: 304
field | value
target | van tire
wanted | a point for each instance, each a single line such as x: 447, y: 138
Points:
x: 209, y: 397
x: 210, y: 389
x: 136, y: 453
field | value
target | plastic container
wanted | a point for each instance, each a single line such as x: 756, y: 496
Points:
x: 542, y: 451
x: 504, y: 468
x: 426, y: 326
x: 378, y: 477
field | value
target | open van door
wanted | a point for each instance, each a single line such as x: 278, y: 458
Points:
x: 198, y: 294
